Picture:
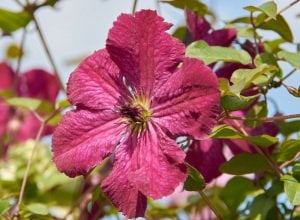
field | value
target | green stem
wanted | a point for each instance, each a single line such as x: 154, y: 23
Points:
x: 15, y: 209
x: 134, y: 7
x: 266, y: 119
x: 50, y: 57
x: 210, y: 205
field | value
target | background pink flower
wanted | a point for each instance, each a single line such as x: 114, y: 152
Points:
x: 18, y: 124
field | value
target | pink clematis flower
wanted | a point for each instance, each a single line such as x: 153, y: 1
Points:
x: 130, y: 99
x: 200, y: 29
x: 19, y: 124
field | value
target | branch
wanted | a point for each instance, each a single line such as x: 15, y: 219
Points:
x: 210, y: 205
x: 134, y: 7
x: 15, y: 209
x: 51, y: 60
x: 266, y: 119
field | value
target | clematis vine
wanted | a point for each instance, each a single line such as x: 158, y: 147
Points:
x: 16, y: 124
x: 131, y: 99
x: 207, y: 155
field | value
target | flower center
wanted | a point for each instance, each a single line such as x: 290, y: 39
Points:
x: 136, y: 113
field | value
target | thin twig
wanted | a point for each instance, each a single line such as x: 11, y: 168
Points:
x: 286, y: 163
x: 134, y: 7
x: 289, y: 74
x: 51, y: 60
x: 15, y: 210
x: 210, y: 205
x: 254, y: 33
x: 19, y: 3
x: 288, y: 6
x: 266, y: 119
x: 19, y: 61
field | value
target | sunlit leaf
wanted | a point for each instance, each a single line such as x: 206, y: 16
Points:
x: 11, y: 21
x: 211, y: 54
x: 243, y: 78
x: 292, y: 58
x: 27, y: 103
x: 269, y: 8
x: 225, y: 131
x: 245, y: 163
x: 292, y: 189
x: 263, y: 140
x: 38, y: 208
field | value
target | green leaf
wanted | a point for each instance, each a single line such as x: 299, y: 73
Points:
x: 263, y: 141
x: 194, y: 5
x: 31, y: 104
x: 280, y: 26
x: 233, y: 103
x: 4, y: 206
x: 288, y: 150
x: 27, y: 103
x: 63, y: 104
x: 243, y: 78
x: 292, y: 58
x: 269, y: 8
x: 180, y: 33
x: 194, y: 181
x: 210, y: 54
x: 236, y: 190
x: 11, y: 21
x: 261, y: 206
x: 289, y: 127
x: 257, y: 111
x: 38, y: 208
x: 296, y: 169
x: 225, y: 131
x: 292, y: 189
x: 273, y: 45
x: 245, y: 163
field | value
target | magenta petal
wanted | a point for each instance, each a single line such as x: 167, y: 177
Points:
x: 7, y: 76
x: 96, y: 83
x: 29, y: 127
x: 197, y: 25
x: 4, y: 117
x: 146, y: 56
x: 188, y: 103
x: 118, y: 188
x: 82, y: 139
x: 159, y: 162
x: 227, y: 69
x: 206, y: 156
x: 222, y: 37
x: 38, y: 83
